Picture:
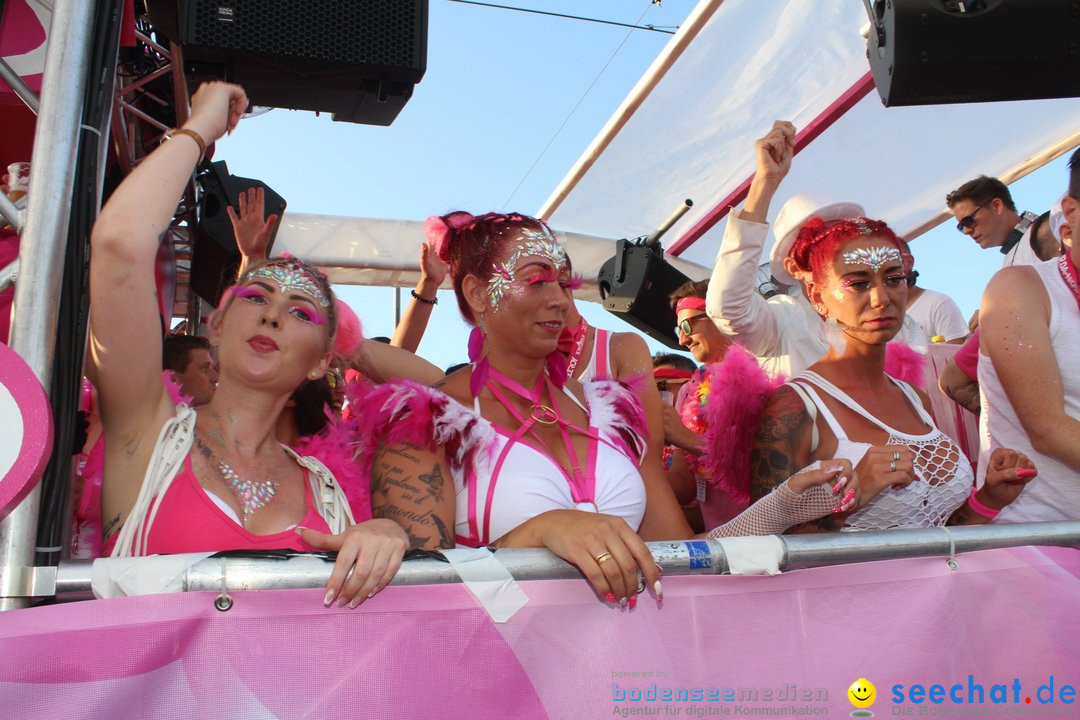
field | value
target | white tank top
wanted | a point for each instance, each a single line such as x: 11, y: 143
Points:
x: 1055, y: 493
x: 943, y: 478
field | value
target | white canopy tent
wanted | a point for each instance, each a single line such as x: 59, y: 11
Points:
x: 687, y: 129
x: 365, y: 251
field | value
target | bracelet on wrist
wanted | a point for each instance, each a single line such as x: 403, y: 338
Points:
x: 417, y: 296
x: 170, y: 134
x: 979, y: 509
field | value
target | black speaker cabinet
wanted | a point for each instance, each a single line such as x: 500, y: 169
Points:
x: 215, y: 256
x: 357, y: 59
x: 926, y: 52
x: 636, y: 284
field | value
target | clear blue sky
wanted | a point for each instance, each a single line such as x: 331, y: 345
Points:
x: 499, y: 86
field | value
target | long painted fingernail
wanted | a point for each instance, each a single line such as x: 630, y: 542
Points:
x: 373, y: 591
x: 659, y: 592
x: 354, y: 602
x: 623, y: 602
x: 329, y: 599
x: 849, y: 496
x: 343, y: 602
x: 833, y: 468
x: 840, y: 484
x: 633, y: 601
x: 1024, y: 473
x: 610, y: 597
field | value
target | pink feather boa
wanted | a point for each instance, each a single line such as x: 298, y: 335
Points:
x: 904, y: 363
x: 737, y: 391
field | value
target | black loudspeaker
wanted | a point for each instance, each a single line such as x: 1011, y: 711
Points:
x: 636, y: 284
x: 926, y: 52
x: 215, y: 256
x: 357, y: 59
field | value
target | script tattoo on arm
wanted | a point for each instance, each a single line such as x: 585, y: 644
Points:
x: 110, y: 527
x: 774, y: 454
x: 408, y: 486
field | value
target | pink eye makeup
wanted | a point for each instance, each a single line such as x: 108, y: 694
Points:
x: 251, y: 294
x: 307, y: 314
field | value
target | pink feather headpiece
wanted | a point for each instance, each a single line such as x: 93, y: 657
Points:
x: 350, y: 332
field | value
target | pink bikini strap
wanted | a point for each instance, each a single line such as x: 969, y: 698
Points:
x: 600, y: 348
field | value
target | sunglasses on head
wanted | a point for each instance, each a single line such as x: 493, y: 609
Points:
x: 685, y: 327
x: 968, y: 221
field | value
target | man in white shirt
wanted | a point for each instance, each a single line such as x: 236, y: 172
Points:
x: 783, y: 331
x: 984, y: 209
x: 1029, y: 376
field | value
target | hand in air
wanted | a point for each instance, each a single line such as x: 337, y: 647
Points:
x: 1007, y: 472
x: 432, y: 268
x: 216, y: 108
x: 606, y: 551
x: 843, y: 483
x: 251, y: 231
x: 883, y: 467
x: 368, y: 556
x: 773, y: 153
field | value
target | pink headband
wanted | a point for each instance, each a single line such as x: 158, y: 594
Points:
x: 690, y: 303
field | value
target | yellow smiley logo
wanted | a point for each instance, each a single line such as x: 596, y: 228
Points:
x: 862, y: 693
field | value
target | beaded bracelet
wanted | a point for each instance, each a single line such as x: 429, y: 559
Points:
x: 980, y: 509
x: 424, y: 299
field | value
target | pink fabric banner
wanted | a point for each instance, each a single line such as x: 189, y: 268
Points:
x: 1003, y: 626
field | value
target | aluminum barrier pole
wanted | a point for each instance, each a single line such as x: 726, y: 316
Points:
x: 691, y: 557
x: 41, y: 251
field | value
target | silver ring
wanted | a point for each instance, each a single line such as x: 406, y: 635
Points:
x: 892, y: 466
x: 895, y: 456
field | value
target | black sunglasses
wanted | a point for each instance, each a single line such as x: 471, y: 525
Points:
x: 968, y: 221
x: 685, y: 327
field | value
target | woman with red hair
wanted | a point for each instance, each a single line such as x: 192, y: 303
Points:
x: 845, y: 406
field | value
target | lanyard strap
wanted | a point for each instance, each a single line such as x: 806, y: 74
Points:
x: 1070, y: 276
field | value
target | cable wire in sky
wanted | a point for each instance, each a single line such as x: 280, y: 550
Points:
x: 574, y: 109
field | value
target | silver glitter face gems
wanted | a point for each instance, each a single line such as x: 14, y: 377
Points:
x: 289, y: 276
x: 535, y: 243
x: 876, y: 257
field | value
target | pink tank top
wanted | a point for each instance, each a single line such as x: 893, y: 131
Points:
x: 189, y: 521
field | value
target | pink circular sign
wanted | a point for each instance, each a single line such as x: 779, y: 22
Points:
x: 26, y: 418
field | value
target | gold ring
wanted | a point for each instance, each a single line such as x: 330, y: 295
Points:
x: 603, y: 558
x: 895, y: 456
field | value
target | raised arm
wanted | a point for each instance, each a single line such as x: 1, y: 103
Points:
x: 410, y: 331
x: 732, y: 300
x: 1014, y: 331
x: 125, y: 328
x: 383, y: 363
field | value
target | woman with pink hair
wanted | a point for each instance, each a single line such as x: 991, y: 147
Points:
x: 509, y: 452
x: 845, y: 406
x: 178, y: 481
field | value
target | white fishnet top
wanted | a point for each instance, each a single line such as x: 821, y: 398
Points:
x: 943, y: 477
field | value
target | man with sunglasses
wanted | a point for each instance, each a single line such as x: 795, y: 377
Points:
x: 984, y: 209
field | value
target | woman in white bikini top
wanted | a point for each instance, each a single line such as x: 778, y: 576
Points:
x: 909, y: 473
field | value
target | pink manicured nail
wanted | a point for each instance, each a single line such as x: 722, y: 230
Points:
x: 329, y: 599
x: 623, y: 602
x: 373, y: 591
x: 354, y: 602
x: 659, y: 592
x: 840, y: 484
x: 633, y: 601
x: 610, y: 597
x: 1024, y: 473
x: 833, y: 468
